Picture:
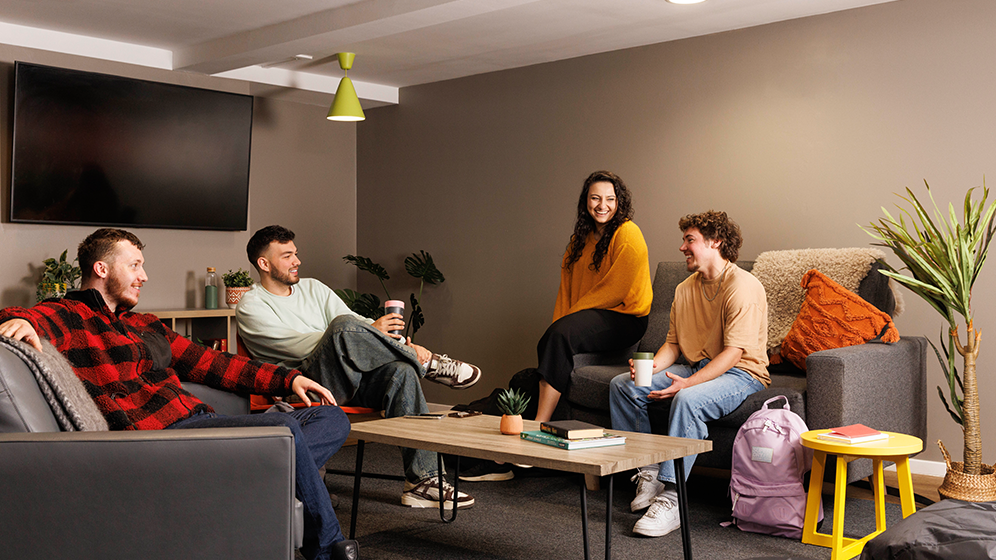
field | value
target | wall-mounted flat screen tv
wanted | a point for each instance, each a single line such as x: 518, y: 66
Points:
x: 96, y: 149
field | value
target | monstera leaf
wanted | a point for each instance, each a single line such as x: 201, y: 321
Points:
x: 421, y: 266
x: 367, y: 305
x: 415, y: 318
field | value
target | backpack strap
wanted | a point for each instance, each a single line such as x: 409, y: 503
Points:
x: 775, y: 398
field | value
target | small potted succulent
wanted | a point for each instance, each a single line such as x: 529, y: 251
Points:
x: 512, y: 403
x: 58, y: 277
x: 236, y: 285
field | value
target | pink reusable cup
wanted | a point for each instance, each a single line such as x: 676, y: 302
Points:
x: 394, y: 306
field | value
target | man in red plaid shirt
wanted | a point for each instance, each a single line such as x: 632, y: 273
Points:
x: 132, y: 366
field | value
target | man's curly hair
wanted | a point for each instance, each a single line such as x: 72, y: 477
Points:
x: 714, y: 226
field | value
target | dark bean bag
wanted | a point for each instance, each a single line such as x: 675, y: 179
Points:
x: 948, y: 529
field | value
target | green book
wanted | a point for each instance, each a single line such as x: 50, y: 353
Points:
x: 582, y: 443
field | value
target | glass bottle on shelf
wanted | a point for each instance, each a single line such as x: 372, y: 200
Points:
x: 211, y: 289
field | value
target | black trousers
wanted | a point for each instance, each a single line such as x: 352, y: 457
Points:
x: 588, y: 330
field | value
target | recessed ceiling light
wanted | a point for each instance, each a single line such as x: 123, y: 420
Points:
x: 685, y: 1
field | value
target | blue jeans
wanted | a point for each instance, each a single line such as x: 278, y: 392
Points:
x: 364, y: 367
x: 319, y: 432
x: 691, y: 408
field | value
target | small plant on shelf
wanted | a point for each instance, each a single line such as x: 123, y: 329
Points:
x: 512, y: 403
x: 58, y: 277
x: 237, y: 283
x: 238, y: 279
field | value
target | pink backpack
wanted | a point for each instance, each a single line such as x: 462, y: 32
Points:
x: 766, y: 482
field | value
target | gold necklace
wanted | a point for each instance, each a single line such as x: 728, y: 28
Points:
x: 719, y: 287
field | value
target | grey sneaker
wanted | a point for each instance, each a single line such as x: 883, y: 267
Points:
x: 647, y: 489
x: 425, y: 494
x: 660, y: 519
x: 447, y: 371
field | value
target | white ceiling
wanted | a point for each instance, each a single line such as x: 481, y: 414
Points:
x: 398, y: 42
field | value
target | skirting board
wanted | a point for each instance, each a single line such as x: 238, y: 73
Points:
x: 928, y: 468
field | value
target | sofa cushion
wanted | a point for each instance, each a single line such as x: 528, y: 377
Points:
x: 590, y: 385
x: 832, y: 317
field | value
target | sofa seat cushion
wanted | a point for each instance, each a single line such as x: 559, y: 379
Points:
x: 590, y: 385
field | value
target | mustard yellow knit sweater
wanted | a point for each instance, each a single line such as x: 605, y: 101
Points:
x: 622, y: 283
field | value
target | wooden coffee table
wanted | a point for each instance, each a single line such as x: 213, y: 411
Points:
x: 478, y: 437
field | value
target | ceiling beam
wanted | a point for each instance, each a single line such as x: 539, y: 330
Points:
x: 341, y: 27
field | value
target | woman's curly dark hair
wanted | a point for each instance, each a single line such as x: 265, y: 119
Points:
x: 585, y: 224
x: 715, y: 225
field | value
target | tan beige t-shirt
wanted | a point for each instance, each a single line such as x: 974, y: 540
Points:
x: 731, y: 310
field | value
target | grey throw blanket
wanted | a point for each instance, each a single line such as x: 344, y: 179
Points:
x: 71, y: 405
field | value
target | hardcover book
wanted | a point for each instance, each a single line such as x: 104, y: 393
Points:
x: 855, y: 433
x: 604, y: 440
x: 572, y: 429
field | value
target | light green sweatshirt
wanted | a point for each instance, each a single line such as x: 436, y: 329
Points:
x: 285, y: 330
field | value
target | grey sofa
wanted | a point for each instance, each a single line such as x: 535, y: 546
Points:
x: 879, y: 385
x: 211, y: 493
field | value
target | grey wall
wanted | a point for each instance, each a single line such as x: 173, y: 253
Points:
x: 801, y: 130
x: 302, y: 175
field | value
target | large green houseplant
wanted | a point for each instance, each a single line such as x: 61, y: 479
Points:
x: 418, y: 265
x: 944, y: 258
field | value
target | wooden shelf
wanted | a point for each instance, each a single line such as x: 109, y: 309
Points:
x: 199, y: 320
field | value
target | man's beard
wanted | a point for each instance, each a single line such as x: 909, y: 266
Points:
x: 116, y: 290
x: 286, y: 279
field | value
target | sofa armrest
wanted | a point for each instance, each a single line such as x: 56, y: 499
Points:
x: 206, y: 493
x: 880, y: 385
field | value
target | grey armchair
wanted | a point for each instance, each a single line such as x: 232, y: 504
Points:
x: 211, y: 493
x: 879, y: 385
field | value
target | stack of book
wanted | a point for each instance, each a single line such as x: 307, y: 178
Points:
x: 855, y: 433
x: 572, y: 434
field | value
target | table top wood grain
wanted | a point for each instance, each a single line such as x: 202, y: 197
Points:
x: 479, y: 437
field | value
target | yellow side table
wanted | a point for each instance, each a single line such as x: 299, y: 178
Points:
x: 896, y: 449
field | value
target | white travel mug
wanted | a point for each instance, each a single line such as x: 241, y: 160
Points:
x: 394, y: 306
x: 643, y: 363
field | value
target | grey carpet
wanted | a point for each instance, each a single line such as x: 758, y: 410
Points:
x: 537, y: 516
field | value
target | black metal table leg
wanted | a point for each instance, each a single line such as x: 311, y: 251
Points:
x: 357, y: 474
x: 456, y: 488
x: 608, y: 522
x: 679, y: 477
x: 584, y: 516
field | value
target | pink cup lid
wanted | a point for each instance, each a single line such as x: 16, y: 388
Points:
x: 394, y: 303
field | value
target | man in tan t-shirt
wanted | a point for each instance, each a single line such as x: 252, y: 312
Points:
x: 719, y: 323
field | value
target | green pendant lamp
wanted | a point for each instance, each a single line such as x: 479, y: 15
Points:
x: 346, y: 105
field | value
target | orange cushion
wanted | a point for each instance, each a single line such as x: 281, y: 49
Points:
x: 832, y: 316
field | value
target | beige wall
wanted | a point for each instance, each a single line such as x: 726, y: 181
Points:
x: 800, y: 130
x: 302, y: 175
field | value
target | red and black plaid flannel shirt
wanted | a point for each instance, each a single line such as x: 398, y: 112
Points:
x: 107, y: 352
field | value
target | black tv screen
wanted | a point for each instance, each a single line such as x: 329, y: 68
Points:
x: 96, y: 149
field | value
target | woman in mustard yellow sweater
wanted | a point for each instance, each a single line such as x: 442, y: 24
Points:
x: 605, y: 291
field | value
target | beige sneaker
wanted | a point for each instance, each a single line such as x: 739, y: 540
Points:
x: 425, y: 494
x: 660, y: 519
x: 447, y: 371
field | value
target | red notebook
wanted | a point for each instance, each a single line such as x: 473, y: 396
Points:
x: 855, y: 433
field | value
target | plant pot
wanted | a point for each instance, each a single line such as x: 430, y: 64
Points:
x: 511, y: 425
x: 233, y: 295
x: 48, y: 290
x: 959, y: 485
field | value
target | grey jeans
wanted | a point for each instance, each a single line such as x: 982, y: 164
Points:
x: 364, y: 367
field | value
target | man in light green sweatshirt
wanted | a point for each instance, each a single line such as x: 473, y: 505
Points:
x: 301, y: 323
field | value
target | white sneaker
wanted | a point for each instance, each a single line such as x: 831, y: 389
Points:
x: 647, y: 489
x: 660, y: 519
x: 447, y: 371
